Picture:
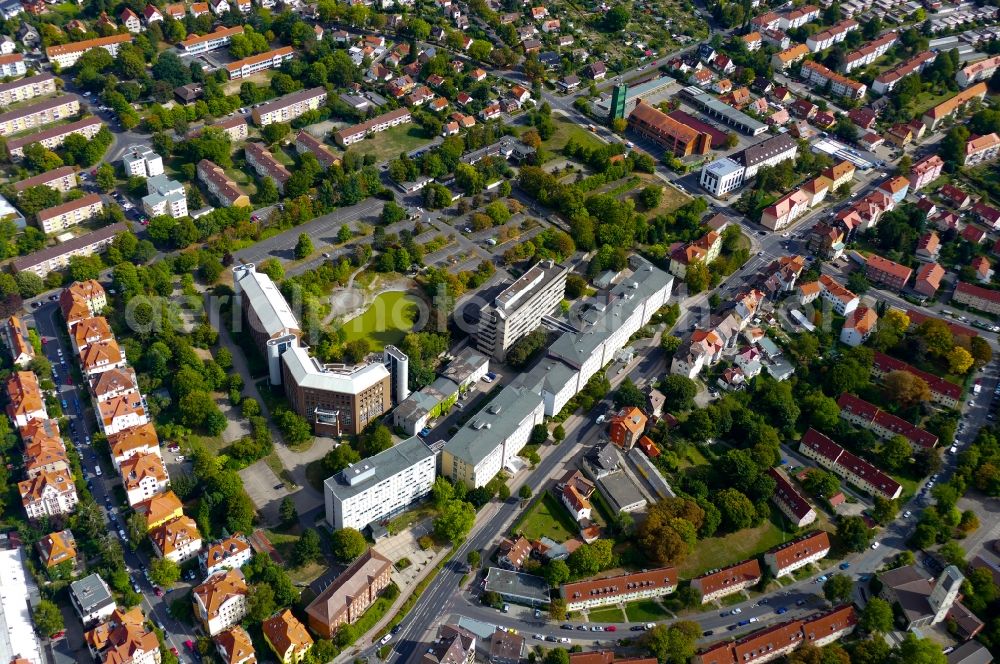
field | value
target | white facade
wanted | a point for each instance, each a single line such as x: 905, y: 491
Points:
x: 12, y: 66
x: 721, y: 177
x: 165, y: 196
x: 142, y: 162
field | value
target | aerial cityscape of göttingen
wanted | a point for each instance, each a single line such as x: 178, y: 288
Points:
x: 499, y: 332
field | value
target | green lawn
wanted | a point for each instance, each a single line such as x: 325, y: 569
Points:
x: 645, y: 611
x: 609, y: 614
x: 566, y: 130
x: 717, y: 552
x: 388, y: 144
x: 388, y: 319
x: 243, y: 179
x: 548, y: 518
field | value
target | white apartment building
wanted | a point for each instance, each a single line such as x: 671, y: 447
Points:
x: 518, y: 310
x: 213, y: 40
x: 121, y: 412
x: 177, y: 540
x: 27, y: 88
x: 977, y: 71
x: 231, y: 553
x: 48, y: 494
x: 142, y: 162
x: 980, y: 149
x: 491, y: 439
x: 61, y: 217
x: 39, y: 114
x: 138, y: 440
x: 870, y: 52
x: 721, y: 177
x: 221, y: 601
x: 165, y: 196
x: 289, y: 107
x: 143, y: 476
x: 838, y: 33
x: 54, y: 136
x: 817, y: 74
x: 381, y: 486
x: 843, y: 300
x: 66, y: 55
x: 359, y: 132
x: 798, y: 17
x: 625, y: 588
x: 260, y: 62
x: 12, y: 65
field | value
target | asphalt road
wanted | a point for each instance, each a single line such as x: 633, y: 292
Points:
x: 48, y: 322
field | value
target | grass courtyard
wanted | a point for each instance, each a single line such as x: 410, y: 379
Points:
x: 386, y: 321
x: 645, y: 611
x: 717, y: 552
x: 390, y: 143
x: 607, y: 614
x: 547, y: 518
x: 566, y: 130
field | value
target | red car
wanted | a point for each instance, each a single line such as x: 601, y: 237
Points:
x: 58, y: 635
x: 69, y: 380
x: 189, y: 644
x: 159, y: 591
x: 610, y: 628
x: 173, y: 650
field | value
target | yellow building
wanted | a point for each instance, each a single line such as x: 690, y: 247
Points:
x: 287, y: 637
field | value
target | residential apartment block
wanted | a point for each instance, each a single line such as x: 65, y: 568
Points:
x: 62, y: 179
x: 821, y: 41
x: 619, y: 589
x: 130, y: 442
x: 979, y: 149
x: 66, y: 55
x: 788, y: 499
x: 39, y: 114
x: 263, y: 162
x: 48, y: 494
x: 728, y: 580
x: 260, y: 62
x: 855, y: 470
x: 219, y: 184
x: 359, y: 132
x: 790, y: 556
x: 289, y: 107
x: 882, y: 424
x: 948, y: 108
x: 220, y: 602
x: 519, y: 309
x: 977, y: 71
x: 61, y: 217
x: 164, y: 197
x: 870, y: 52
x: 885, y: 82
x: 887, y: 273
x: 925, y: 171
x: 143, y: 162
x: 287, y: 637
x: 15, y: 336
x: 12, y: 65
x: 788, y: 57
x: 306, y: 142
x: 235, y: 646
x: 350, y: 594
x: 943, y: 392
x: 26, y: 399
x: 143, y: 476
x: 53, y: 137
x: 177, y: 540
x: 380, y: 486
x: 977, y: 297
x: 785, y: 210
x: 231, y: 553
x: 840, y: 86
x: 27, y: 88
x: 220, y: 37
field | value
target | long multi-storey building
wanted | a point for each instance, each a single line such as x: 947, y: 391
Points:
x: 834, y: 35
x: 12, y: 65
x: 791, y: 503
x: 269, y: 319
x: 979, y: 149
x: 943, y: 392
x: 53, y: 137
x: 870, y: 52
x: 225, y: 190
x: 977, y: 71
x: 886, y: 81
x: 841, y: 86
x: 887, y: 273
x: 335, y: 398
x: 380, y: 486
x: 61, y: 217
x: 66, y: 55
x: 779, y: 640
x: 882, y: 424
x: 62, y: 179
x: 57, y: 257
x: 520, y: 307
x: 725, y: 175
x: 949, y: 107
x: 345, y: 600
x: 679, y: 139
x: 27, y: 88
x: 619, y: 589
x: 260, y: 62
x: 307, y: 143
x: 39, y: 114
x: 359, y: 132
x: 220, y: 37
x: 728, y: 580
x: 977, y: 297
x: 289, y: 107
x: 855, y: 470
x: 262, y: 161
x: 790, y: 556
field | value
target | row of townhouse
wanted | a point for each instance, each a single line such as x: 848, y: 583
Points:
x: 884, y: 425
x: 705, y: 346
x: 53, y: 137
x: 792, y: 206
x: 27, y: 88
x: 870, y: 52
x: 776, y: 641
x: 636, y: 586
x: 819, y: 75
x: 943, y: 392
x: 66, y: 55
x: 857, y: 471
x: 57, y: 257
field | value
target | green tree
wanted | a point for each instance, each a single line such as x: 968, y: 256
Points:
x: 876, y: 617
x: 524, y: 493
x: 853, y: 533
x: 556, y: 572
x: 442, y: 492
x: 454, y: 521
x: 48, y: 618
x: 303, y: 247
x: 105, y: 177
x: 261, y: 602
x: 737, y: 510
x: 678, y: 392
x: 306, y: 549
x: 287, y: 512
x: 838, y: 588
x: 164, y: 572
x: 474, y: 558
x: 674, y: 644
x: 348, y: 544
